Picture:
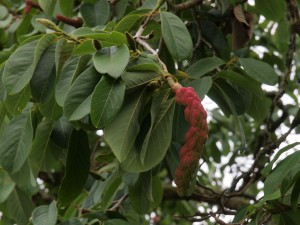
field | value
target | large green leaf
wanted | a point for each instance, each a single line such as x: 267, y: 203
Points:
x: 45, y: 214
x: 285, y: 168
x: 63, y: 51
x: 135, y: 79
x: 112, y: 60
x: 128, y: 23
x: 272, y: 10
x: 16, y: 103
x: 44, y: 76
x: 48, y: 6
x: 215, y: 36
x: 140, y: 195
x: 201, y: 86
x: 77, y: 168
x: 19, y: 68
x: 15, y: 142
x: 107, y: 99
x: 176, y: 36
x: 145, y: 156
x: 50, y: 109
x: 6, y: 185
x: 260, y: 71
x: 19, y: 207
x: 203, y: 66
x: 71, y: 69
x: 61, y: 132
x: 120, y: 134
x: 67, y: 7
x: 78, y: 98
x: 40, y: 145
x: 95, y: 14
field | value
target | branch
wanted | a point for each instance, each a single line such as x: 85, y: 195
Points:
x: 75, y: 22
x: 183, y: 6
x: 204, y: 195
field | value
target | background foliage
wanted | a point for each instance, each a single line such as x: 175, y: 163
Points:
x: 89, y: 130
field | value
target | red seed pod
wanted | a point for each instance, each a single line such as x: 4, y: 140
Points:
x: 195, y: 138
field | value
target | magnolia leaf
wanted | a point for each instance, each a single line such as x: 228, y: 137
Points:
x: 112, y: 60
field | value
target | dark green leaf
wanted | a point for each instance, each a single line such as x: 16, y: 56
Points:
x: 259, y: 71
x: 112, y: 60
x: 120, y: 134
x: 44, y: 76
x: 6, y: 185
x: 19, y: 206
x: 128, y: 23
x: 204, y: 66
x: 19, y: 68
x: 16, y: 103
x: 95, y: 14
x: 77, y: 102
x: 201, y: 86
x: 272, y: 10
x: 67, y: 7
x: 71, y: 69
x: 176, y: 36
x: 107, y: 100
x: 61, y: 132
x: 40, y: 145
x: 135, y: 79
x: 15, y: 142
x: 140, y: 194
x: 77, y: 168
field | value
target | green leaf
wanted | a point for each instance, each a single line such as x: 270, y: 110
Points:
x: 85, y: 47
x: 71, y: 69
x: 120, y: 134
x: 214, y: 35
x: 45, y: 214
x: 40, y: 145
x: 116, y: 222
x: 19, y: 68
x: 295, y: 194
x: 107, y: 100
x: 15, y: 142
x: 73, y: 221
x: 176, y: 36
x: 128, y: 23
x: 259, y: 106
x: 203, y: 66
x: 259, y: 71
x: 43, y: 80
x: 78, y: 98
x: 95, y: 14
x: 135, y: 79
x: 16, y: 103
x: 267, y: 169
x: 19, y: 206
x: 61, y: 132
x: 201, y: 86
x: 145, y: 156
x: 6, y: 185
x: 63, y: 51
x: 285, y: 168
x: 77, y: 168
x: 67, y: 7
x: 112, y: 185
x: 272, y: 10
x: 140, y: 195
x: 50, y: 109
x: 112, y: 60
x: 48, y: 6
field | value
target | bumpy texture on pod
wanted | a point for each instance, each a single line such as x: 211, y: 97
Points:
x: 195, y: 138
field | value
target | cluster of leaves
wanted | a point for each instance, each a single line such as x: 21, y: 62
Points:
x: 61, y: 84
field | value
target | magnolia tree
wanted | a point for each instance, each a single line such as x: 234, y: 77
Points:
x: 102, y: 119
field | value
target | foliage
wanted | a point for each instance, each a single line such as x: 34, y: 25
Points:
x: 90, y: 132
